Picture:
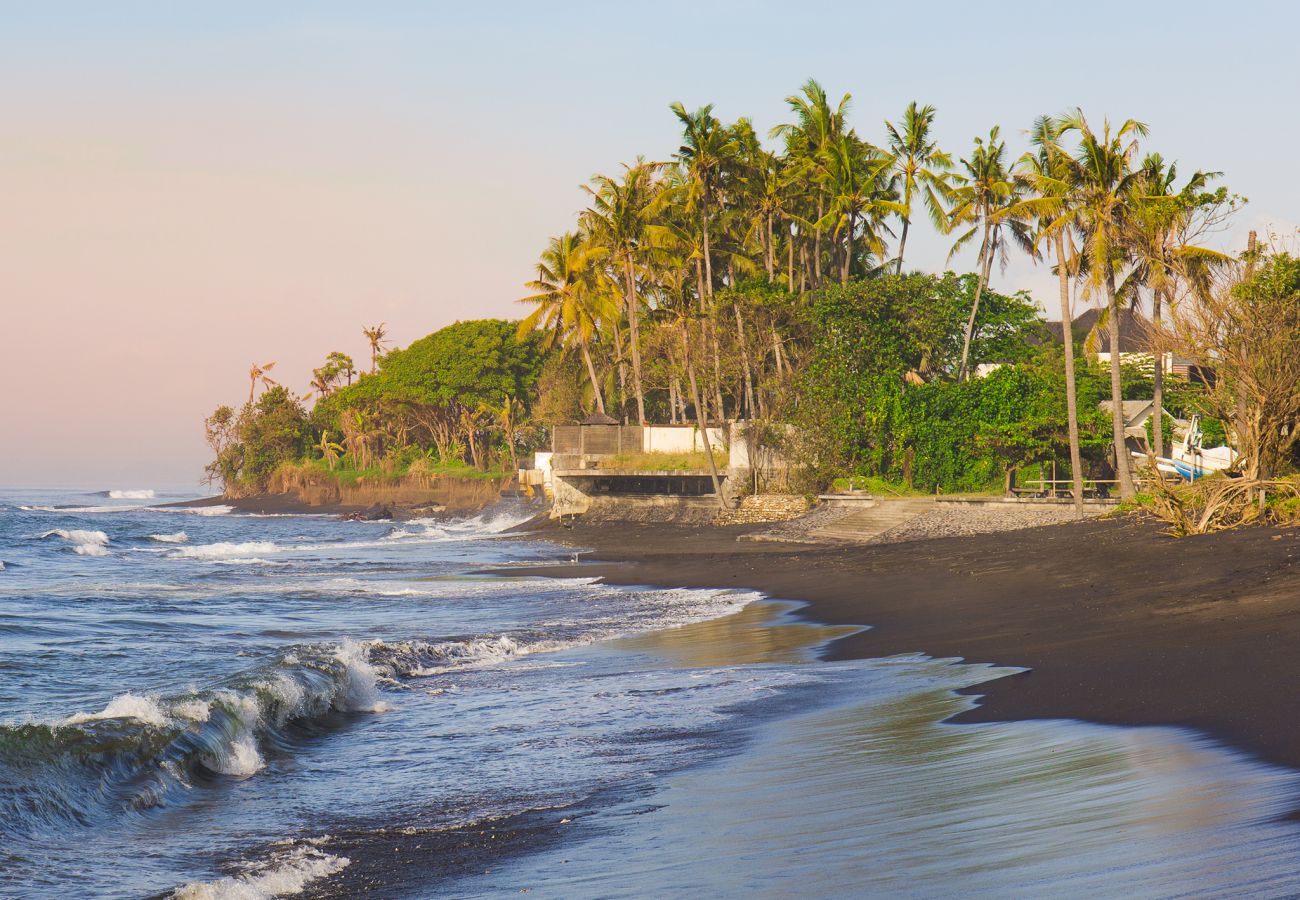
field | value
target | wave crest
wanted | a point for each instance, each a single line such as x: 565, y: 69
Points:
x: 84, y: 542
x: 132, y: 495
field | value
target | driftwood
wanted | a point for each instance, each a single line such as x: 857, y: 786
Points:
x: 1215, y: 503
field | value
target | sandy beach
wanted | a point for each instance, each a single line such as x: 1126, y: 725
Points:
x: 1115, y: 622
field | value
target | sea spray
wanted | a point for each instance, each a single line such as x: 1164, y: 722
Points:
x: 84, y: 542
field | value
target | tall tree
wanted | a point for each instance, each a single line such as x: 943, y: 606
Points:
x: 617, y: 219
x: 569, y: 304
x: 375, y: 335
x: 1163, y: 243
x: 984, y: 198
x: 1102, y: 188
x: 817, y: 127
x: 921, y: 167
x: 1046, y: 171
x: 257, y: 375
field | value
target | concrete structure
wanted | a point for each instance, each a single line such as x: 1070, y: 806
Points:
x: 607, y: 462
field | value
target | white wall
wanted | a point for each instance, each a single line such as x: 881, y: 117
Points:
x: 680, y: 439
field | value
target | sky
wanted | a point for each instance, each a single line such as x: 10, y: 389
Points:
x: 188, y: 189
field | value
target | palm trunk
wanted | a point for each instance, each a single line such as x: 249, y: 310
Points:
x: 1122, y: 473
x: 1158, y: 377
x: 700, y: 418
x: 790, y: 264
x: 634, y: 337
x: 708, y: 253
x: 715, y: 346
x: 621, y: 365
x: 591, y: 373
x: 817, y: 241
x: 987, y: 264
x: 771, y: 250
x: 1071, y: 396
x: 744, y: 360
x: 848, y: 253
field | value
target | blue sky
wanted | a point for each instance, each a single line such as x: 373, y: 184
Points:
x: 194, y: 187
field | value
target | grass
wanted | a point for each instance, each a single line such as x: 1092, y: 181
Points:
x: 666, y: 462
x: 872, y: 484
x: 393, y: 472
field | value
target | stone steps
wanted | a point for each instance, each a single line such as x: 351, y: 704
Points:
x: 865, y: 524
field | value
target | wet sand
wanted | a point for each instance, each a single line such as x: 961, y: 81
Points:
x: 1115, y: 622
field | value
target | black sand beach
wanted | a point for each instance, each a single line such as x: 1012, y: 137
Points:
x: 1116, y: 622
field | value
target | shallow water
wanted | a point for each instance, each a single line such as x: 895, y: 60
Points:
x: 221, y: 705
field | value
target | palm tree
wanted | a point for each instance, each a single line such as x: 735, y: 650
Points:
x: 329, y: 450
x: 569, y: 304
x: 617, y: 220
x: 984, y: 198
x: 816, y: 128
x: 706, y: 146
x: 258, y: 374
x: 854, y: 172
x: 375, y: 335
x: 1045, y: 171
x: 1161, y: 242
x: 921, y: 167
x: 1101, y: 190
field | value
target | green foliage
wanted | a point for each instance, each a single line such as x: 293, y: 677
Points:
x: 877, y: 399
x: 267, y: 433
x: 480, y: 361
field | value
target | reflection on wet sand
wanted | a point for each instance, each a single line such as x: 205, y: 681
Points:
x: 872, y: 794
x: 761, y: 633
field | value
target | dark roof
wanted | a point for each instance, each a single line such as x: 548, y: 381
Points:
x: 598, y: 418
x: 1134, y: 331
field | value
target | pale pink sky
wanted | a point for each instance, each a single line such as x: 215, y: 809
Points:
x: 186, y: 192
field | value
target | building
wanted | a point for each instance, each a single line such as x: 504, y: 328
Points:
x: 1135, y: 341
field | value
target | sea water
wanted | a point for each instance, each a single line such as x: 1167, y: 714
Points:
x: 199, y: 703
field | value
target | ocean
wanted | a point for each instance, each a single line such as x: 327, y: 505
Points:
x: 204, y: 704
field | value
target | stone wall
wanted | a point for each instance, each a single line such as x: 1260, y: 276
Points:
x: 759, y: 508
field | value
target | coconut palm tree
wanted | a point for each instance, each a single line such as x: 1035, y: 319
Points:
x: 1161, y: 241
x: 855, y: 175
x: 570, y: 303
x: 706, y: 147
x: 617, y: 220
x: 329, y: 450
x: 984, y: 197
x: 375, y: 334
x: 1100, y: 192
x: 1045, y: 171
x: 921, y: 168
x: 257, y: 374
x: 816, y: 128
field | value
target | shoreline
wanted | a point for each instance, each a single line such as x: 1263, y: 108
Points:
x: 1114, y: 622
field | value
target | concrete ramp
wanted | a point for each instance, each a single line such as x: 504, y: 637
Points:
x: 872, y: 521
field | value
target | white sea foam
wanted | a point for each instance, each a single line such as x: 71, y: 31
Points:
x: 2, y: 565
x: 124, y: 706
x: 221, y: 510
x: 224, y: 550
x: 132, y: 495
x: 84, y: 543
x: 179, y: 537
x: 287, y: 873
x: 68, y: 510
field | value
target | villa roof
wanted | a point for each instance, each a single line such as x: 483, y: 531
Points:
x: 1134, y: 331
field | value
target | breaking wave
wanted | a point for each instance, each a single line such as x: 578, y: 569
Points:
x: 286, y: 872
x: 131, y: 495
x: 138, y: 750
x: 179, y: 537
x: 225, y: 550
x: 84, y: 542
